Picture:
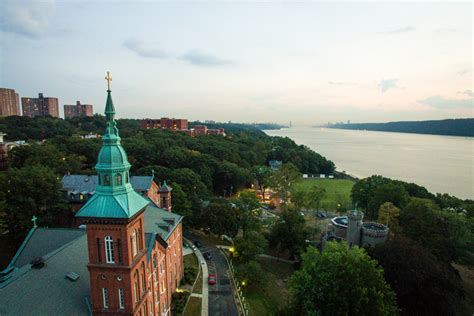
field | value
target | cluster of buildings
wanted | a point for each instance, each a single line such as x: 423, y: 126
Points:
x: 40, y: 106
x: 180, y: 125
x: 125, y: 257
x: 355, y: 231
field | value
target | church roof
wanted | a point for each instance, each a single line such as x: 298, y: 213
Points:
x: 85, y: 183
x: 47, y: 291
x: 124, y: 205
x: 41, y: 241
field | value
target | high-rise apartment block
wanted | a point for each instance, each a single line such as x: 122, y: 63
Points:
x: 40, y: 106
x: 9, y: 102
x: 78, y: 110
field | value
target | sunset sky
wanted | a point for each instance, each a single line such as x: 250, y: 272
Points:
x: 306, y: 62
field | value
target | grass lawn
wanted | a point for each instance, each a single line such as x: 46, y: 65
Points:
x: 198, y: 285
x: 338, y: 191
x: 190, y: 261
x: 194, y: 307
x: 267, y: 299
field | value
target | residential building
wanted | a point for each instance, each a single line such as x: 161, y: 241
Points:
x: 78, y: 110
x: 165, y: 123
x: 40, y: 106
x: 128, y: 259
x: 9, y: 102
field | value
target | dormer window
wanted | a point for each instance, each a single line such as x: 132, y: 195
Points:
x: 118, y: 179
x: 106, y: 180
x: 109, y: 249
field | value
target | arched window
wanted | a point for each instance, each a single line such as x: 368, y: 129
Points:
x: 134, y: 243
x: 109, y: 249
x: 106, y: 180
x: 135, y: 286
x: 126, y: 177
x: 118, y: 179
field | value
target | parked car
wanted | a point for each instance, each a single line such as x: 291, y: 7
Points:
x: 212, y: 279
x: 198, y: 243
x: 207, y: 256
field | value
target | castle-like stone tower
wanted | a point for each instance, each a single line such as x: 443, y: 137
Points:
x: 354, y: 226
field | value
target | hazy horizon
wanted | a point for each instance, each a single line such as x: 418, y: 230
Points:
x: 308, y: 63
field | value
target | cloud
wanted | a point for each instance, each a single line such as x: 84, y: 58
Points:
x: 467, y: 92
x: 139, y: 48
x: 440, y: 102
x: 464, y: 71
x: 198, y: 58
x: 342, y: 83
x: 404, y: 29
x: 29, y: 18
x: 387, y: 84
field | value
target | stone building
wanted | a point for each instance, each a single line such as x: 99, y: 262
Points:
x: 357, y: 233
x: 40, y: 106
x: 78, y: 110
x: 127, y: 259
x: 9, y: 102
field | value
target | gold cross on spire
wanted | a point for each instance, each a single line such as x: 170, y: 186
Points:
x: 109, y: 79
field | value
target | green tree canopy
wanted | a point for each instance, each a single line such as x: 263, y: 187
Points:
x: 424, y: 286
x: 283, y: 179
x: 389, y: 215
x: 340, y: 281
x: 220, y: 218
x: 445, y: 234
x: 290, y: 232
x: 250, y: 246
x: 248, y: 209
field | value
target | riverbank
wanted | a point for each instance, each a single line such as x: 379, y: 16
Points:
x: 442, y: 164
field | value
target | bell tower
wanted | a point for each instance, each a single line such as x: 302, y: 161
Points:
x: 114, y: 218
x: 165, y: 196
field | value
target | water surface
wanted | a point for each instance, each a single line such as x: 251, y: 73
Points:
x: 442, y: 164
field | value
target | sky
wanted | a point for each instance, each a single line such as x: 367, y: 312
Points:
x: 305, y: 62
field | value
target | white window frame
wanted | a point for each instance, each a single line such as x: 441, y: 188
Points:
x: 109, y: 249
x: 121, y: 299
x: 105, y: 299
x: 134, y: 243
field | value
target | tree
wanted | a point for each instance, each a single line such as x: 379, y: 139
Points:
x: 251, y: 274
x: 363, y: 190
x: 250, y: 246
x: 388, y: 215
x: 445, y: 234
x: 289, y: 232
x: 340, y: 281
x: 32, y: 190
x: 424, y: 286
x: 262, y: 176
x: 220, y: 218
x: 315, y: 196
x: 390, y: 192
x: 283, y: 179
x: 248, y: 209
x: 181, y: 204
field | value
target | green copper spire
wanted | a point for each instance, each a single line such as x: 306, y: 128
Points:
x: 114, y: 196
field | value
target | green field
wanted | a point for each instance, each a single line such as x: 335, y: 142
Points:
x: 338, y: 193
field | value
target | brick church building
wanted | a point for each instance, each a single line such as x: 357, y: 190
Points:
x: 126, y: 260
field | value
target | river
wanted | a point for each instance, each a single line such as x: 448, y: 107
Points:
x: 443, y: 164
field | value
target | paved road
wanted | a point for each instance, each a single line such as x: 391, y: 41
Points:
x: 221, y: 299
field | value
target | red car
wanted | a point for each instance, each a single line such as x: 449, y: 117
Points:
x: 212, y: 279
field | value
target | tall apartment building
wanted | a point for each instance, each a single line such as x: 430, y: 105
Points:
x: 77, y: 110
x: 9, y: 102
x: 40, y: 106
x: 165, y: 123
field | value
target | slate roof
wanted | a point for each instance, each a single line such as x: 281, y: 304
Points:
x: 46, y: 291
x: 85, y: 183
x: 41, y: 241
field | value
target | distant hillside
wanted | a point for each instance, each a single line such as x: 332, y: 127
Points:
x: 450, y: 127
